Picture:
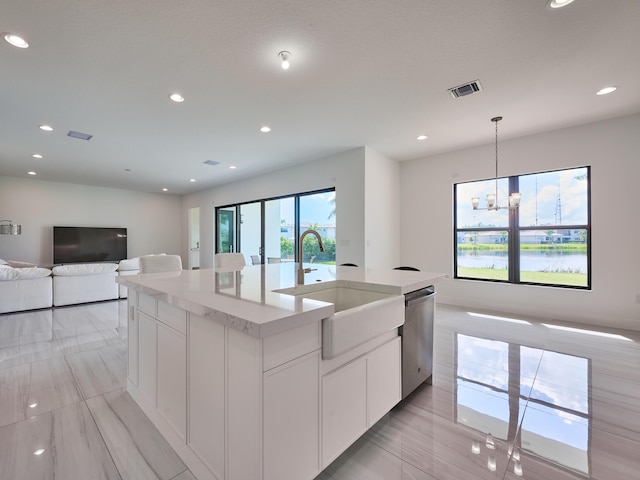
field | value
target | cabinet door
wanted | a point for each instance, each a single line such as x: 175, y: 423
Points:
x: 172, y: 377
x: 383, y: 380
x: 291, y: 419
x: 207, y: 392
x: 132, y: 338
x: 147, y: 350
x: 344, y: 405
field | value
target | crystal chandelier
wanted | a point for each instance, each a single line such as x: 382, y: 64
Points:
x: 492, y: 198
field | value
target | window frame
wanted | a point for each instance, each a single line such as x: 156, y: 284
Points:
x: 514, y: 230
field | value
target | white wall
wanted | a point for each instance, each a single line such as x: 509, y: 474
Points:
x: 382, y: 211
x: 152, y: 220
x: 611, y: 147
x: 344, y: 171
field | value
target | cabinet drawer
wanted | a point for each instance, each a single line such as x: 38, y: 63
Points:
x: 283, y: 347
x: 175, y: 317
x: 147, y: 304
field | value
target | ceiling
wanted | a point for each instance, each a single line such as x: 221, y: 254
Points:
x: 363, y: 73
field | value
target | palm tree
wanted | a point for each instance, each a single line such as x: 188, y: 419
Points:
x: 333, y: 203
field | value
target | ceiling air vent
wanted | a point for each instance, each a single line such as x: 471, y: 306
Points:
x: 211, y: 162
x: 79, y: 135
x: 466, y: 89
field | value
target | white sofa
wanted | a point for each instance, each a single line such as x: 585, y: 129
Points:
x: 23, y: 286
x: 27, y: 288
x: 84, y: 282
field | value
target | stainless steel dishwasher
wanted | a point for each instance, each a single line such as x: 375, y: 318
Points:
x: 417, y: 338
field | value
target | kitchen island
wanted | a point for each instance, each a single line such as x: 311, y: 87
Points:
x: 234, y: 375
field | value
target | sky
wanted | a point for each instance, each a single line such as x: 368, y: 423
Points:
x: 314, y: 208
x: 558, y: 197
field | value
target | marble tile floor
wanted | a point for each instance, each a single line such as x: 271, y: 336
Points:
x: 64, y: 410
x: 512, y: 397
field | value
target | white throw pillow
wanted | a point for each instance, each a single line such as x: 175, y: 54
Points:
x: 129, y: 264
x: 133, y: 263
x: 19, y: 264
x: 23, y: 273
x: 84, y: 269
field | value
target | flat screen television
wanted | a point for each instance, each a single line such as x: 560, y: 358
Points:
x: 89, y: 244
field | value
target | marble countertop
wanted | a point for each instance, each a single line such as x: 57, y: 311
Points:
x: 244, y: 298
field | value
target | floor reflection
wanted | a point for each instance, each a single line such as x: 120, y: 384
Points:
x: 534, y: 400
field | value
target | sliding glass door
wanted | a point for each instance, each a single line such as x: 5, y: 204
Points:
x: 267, y: 231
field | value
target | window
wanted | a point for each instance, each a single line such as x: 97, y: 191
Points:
x: 546, y: 241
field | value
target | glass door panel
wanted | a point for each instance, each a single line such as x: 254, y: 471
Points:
x: 318, y: 212
x: 225, y: 226
x: 279, y: 231
x: 250, y: 231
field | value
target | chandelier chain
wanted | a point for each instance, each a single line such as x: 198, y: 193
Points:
x: 496, y: 122
x: 493, y: 202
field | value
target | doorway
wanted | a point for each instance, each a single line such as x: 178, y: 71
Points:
x: 194, y: 238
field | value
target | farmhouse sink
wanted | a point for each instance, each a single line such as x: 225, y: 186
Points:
x: 360, y: 315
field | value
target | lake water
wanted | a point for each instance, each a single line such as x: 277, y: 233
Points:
x: 529, y: 261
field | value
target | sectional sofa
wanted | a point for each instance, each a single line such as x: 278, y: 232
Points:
x: 26, y: 287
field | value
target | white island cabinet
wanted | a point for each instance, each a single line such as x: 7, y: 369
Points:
x: 232, y: 374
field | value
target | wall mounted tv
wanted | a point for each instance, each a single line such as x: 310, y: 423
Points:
x: 89, y: 244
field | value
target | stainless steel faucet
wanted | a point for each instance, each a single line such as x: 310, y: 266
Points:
x: 302, y: 271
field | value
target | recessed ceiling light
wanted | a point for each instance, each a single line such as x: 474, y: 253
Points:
x: 422, y: 137
x: 232, y: 167
x: 16, y: 40
x: 165, y: 189
x: 37, y: 155
x: 33, y: 405
x: 46, y: 128
x: 553, y: 4
x: 192, y: 180
x: 176, y: 97
x: 606, y: 90
x: 31, y: 173
x: 285, y: 56
x: 40, y: 451
x: 265, y: 129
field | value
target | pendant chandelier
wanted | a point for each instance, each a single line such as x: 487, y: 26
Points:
x: 492, y: 198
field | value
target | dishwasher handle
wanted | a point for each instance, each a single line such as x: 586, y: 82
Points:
x: 419, y: 296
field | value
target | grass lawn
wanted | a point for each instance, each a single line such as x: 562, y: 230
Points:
x: 531, y: 247
x: 554, y: 278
